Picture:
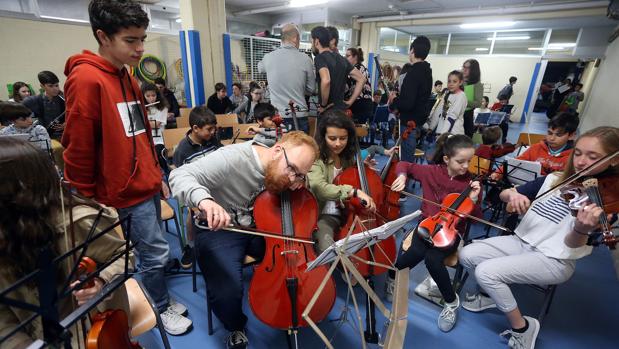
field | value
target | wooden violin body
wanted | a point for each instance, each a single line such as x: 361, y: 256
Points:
x: 281, y: 288
x: 441, y: 230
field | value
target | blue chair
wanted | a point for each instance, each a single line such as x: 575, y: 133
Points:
x: 380, y: 123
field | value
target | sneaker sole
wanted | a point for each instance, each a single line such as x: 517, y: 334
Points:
x: 535, y: 333
x: 179, y: 333
x: 477, y: 310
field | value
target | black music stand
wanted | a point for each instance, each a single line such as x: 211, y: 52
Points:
x: 56, y: 331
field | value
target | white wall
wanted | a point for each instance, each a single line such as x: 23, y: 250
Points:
x: 32, y: 46
x: 495, y: 73
x: 601, y: 109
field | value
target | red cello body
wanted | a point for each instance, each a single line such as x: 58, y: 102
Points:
x: 281, y: 288
x: 351, y: 176
x: 441, y: 230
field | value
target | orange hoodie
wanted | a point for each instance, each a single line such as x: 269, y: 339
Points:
x: 539, y: 152
x: 109, y: 153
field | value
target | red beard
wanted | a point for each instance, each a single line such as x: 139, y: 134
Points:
x: 275, y: 182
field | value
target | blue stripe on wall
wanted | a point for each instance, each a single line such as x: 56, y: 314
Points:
x: 228, y: 63
x: 527, y: 103
x: 184, y: 59
x: 370, y: 67
x: 198, y: 79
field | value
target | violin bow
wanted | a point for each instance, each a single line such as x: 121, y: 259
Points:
x: 456, y: 211
x: 585, y: 171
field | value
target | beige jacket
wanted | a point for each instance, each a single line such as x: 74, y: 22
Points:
x: 100, y: 251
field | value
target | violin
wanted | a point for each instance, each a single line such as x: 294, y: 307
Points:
x: 390, y: 207
x: 109, y: 329
x: 441, y: 230
x: 601, y: 191
x: 281, y: 288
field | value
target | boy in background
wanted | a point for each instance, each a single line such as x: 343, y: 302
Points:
x: 20, y: 123
x: 218, y: 102
x: 48, y: 106
x: 268, y: 132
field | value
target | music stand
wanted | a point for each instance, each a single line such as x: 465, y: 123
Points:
x: 519, y: 172
x: 381, y: 117
x: 340, y: 253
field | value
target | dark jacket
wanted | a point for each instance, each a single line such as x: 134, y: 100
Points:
x: 412, y: 103
x: 172, y: 103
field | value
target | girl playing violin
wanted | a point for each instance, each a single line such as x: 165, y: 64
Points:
x: 336, y: 139
x: 32, y: 204
x: 547, y: 242
x: 449, y: 174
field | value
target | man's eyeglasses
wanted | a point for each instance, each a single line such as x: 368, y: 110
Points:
x: 297, y: 176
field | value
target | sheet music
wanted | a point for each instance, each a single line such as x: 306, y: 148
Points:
x: 522, y: 171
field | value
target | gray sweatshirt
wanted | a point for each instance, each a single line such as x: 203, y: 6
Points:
x: 291, y: 76
x: 232, y: 176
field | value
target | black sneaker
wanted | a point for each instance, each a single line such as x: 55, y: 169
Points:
x: 187, y: 258
x: 237, y: 340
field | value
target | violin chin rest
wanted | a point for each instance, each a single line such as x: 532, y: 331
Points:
x: 423, y: 233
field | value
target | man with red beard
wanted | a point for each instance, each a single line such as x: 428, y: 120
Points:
x: 224, y: 185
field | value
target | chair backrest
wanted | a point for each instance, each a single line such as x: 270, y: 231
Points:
x: 182, y: 122
x: 141, y: 314
x: 313, y: 124
x: 227, y: 120
x: 171, y: 138
x: 243, y: 130
x: 185, y: 112
x: 479, y: 166
x: 524, y: 138
x: 362, y: 130
x: 381, y: 114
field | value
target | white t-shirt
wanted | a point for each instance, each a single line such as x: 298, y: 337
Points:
x: 546, y: 224
x: 161, y: 116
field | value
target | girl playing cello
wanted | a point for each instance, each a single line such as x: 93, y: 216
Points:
x: 547, y: 242
x: 449, y: 174
x: 335, y: 137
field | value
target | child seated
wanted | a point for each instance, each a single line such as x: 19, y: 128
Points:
x: 268, y: 132
x: 20, y: 119
x: 200, y: 139
x: 553, y: 152
x: 490, y: 149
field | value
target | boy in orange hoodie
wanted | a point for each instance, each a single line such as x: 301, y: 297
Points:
x: 553, y: 152
x: 110, y: 155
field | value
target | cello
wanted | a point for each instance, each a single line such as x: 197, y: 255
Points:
x: 281, y: 288
x: 366, y: 179
x: 390, y: 207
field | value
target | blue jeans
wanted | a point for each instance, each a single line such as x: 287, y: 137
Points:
x: 152, y: 248
x: 302, y: 121
x: 220, y: 255
x: 408, y: 145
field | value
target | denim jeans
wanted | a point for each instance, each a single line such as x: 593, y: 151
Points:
x: 408, y: 145
x: 220, y: 255
x: 302, y: 121
x: 152, y: 248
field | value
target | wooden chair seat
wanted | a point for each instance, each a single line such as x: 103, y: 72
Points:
x: 530, y: 138
x: 142, y: 316
x: 167, y: 212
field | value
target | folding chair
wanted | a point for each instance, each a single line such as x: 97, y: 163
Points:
x: 380, y: 123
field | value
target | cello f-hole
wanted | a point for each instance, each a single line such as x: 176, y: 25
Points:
x: 272, y: 266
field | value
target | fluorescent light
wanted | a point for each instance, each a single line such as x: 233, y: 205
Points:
x: 65, y: 19
x: 556, y: 48
x: 535, y: 48
x: 562, y: 44
x: 506, y: 38
x: 178, y: 20
x: 304, y: 3
x: 482, y: 49
x: 487, y: 25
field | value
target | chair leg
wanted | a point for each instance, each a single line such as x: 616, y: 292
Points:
x: 178, y: 233
x: 549, y: 295
x: 194, y: 271
x: 209, y: 315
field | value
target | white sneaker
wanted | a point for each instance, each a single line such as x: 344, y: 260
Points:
x: 174, y: 323
x: 177, y: 307
x: 389, y: 289
x: 428, y: 289
x: 449, y: 315
x: 524, y: 340
x: 478, y: 302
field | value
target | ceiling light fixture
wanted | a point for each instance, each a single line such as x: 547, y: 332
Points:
x: 178, y: 20
x: 535, y: 48
x: 65, y: 19
x: 482, y: 49
x: 506, y: 38
x: 562, y: 44
x: 487, y: 25
x: 305, y: 3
